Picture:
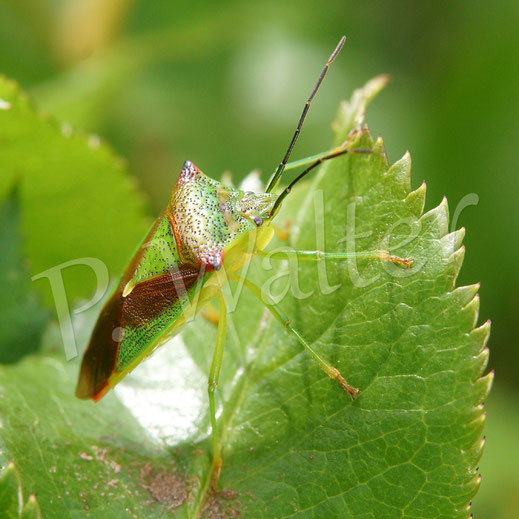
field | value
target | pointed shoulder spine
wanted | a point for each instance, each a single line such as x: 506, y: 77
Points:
x: 188, y: 173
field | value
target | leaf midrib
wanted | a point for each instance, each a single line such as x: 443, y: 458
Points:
x: 237, y: 395
x: 245, y: 382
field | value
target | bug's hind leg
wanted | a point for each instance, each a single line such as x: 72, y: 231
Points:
x: 330, y: 370
x: 214, y: 374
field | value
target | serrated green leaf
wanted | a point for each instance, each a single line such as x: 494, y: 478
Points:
x: 21, y: 317
x: 76, y: 199
x: 295, y: 444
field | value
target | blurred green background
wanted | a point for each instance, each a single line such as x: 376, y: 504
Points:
x: 223, y: 83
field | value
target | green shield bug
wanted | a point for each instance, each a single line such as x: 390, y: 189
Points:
x: 199, y: 242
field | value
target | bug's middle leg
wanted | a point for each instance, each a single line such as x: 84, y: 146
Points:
x: 316, y: 255
x: 214, y: 374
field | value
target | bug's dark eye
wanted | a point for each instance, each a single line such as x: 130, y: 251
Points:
x: 258, y: 220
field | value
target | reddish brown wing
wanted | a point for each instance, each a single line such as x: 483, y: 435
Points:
x: 147, y: 300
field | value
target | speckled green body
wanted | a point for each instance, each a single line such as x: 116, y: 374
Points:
x: 207, y: 231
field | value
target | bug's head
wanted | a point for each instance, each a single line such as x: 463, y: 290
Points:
x: 256, y: 207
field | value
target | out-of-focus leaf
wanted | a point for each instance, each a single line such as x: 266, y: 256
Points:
x: 11, y: 496
x: 76, y: 199
x: 294, y: 443
x: 21, y: 317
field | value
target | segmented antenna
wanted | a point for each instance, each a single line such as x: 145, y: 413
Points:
x: 276, y: 177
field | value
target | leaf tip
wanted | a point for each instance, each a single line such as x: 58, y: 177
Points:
x: 466, y: 293
x: 375, y: 85
x: 454, y: 262
x: 486, y: 381
x: 400, y: 172
x: 415, y: 200
x: 480, y: 337
x: 351, y: 113
x: 437, y: 220
x: 483, y: 359
x: 451, y: 242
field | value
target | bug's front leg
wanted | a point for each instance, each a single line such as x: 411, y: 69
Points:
x: 328, y: 153
x: 214, y: 374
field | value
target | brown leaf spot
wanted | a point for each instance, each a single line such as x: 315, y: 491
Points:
x: 166, y: 487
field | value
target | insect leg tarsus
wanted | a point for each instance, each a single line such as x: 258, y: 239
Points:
x: 330, y: 370
x: 347, y: 144
x: 214, y: 374
x: 384, y: 255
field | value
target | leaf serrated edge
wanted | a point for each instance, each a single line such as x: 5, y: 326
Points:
x: 452, y: 252
x: 466, y: 293
x: 472, y: 308
x: 400, y: 174
x: 437, y: 219
x: 452, y: 241
x: 454, y: 264
x: 482, y: 385
x: 31, y: 510
x: 415, y: 200
x: 10, y: 478
x: 484, y: 331
x: 10, y: 481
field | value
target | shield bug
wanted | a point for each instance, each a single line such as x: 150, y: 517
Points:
x: 207, y: 232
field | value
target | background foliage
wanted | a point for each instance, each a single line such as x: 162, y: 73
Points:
x: 221, y: 86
